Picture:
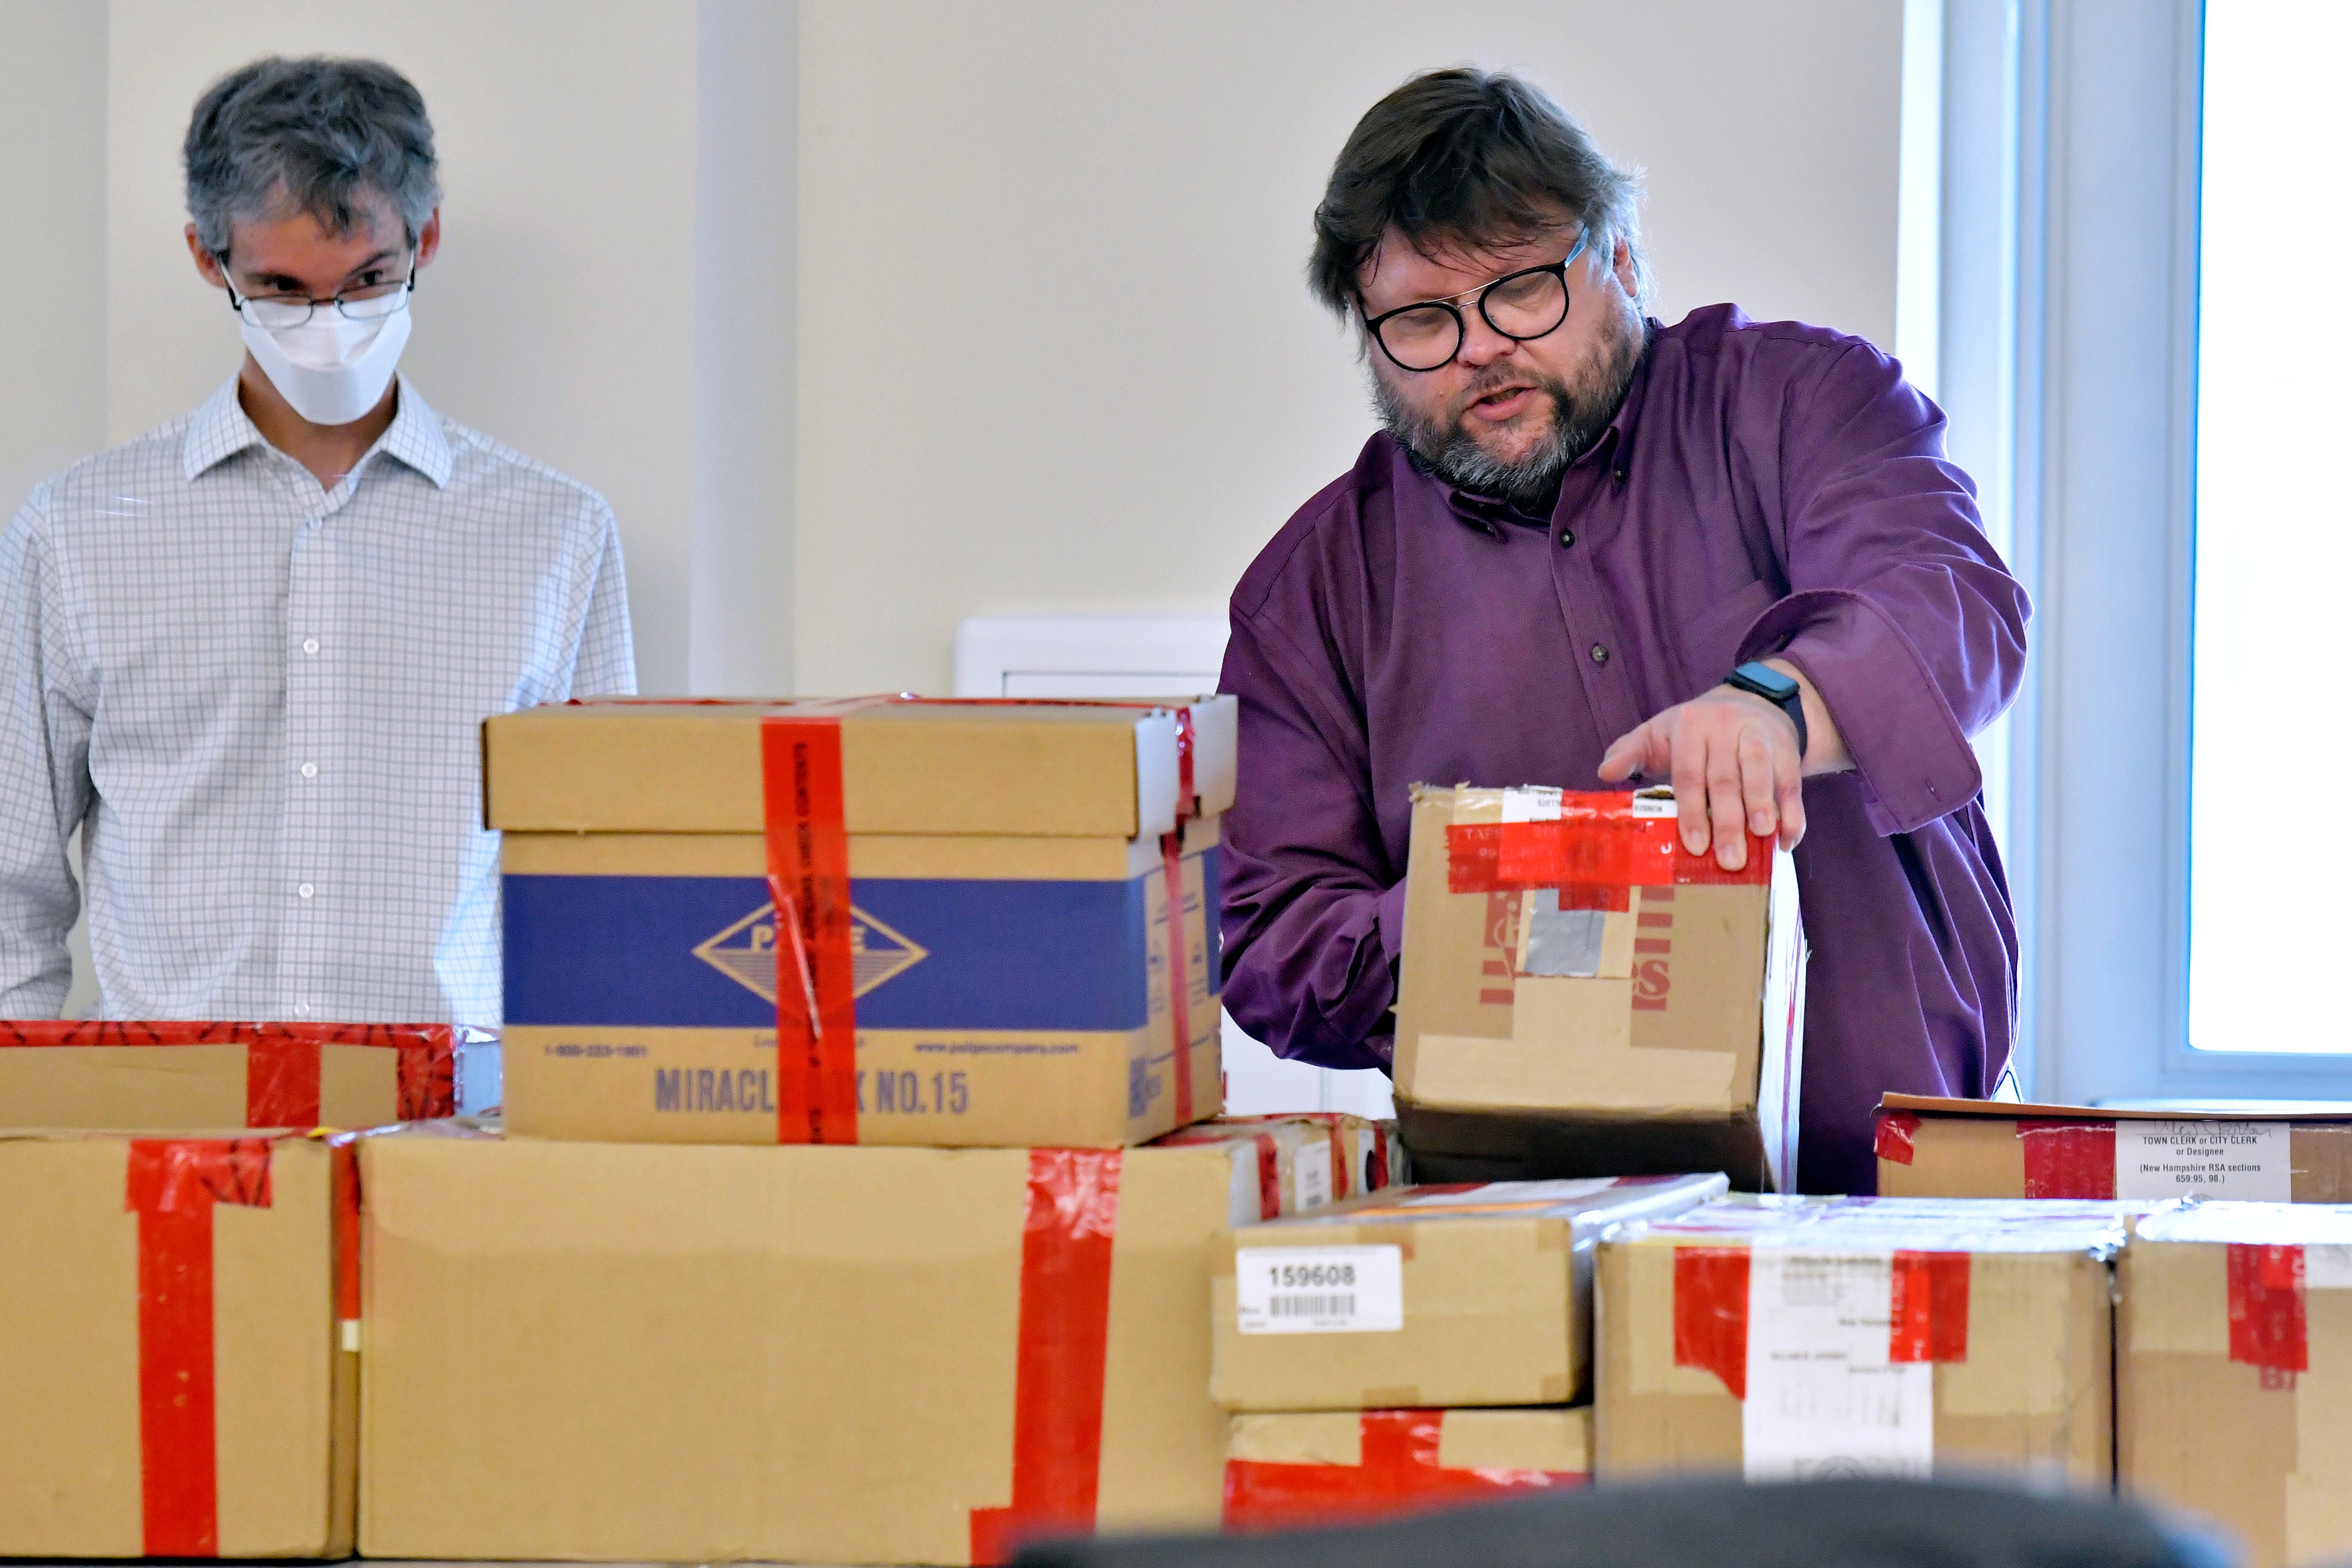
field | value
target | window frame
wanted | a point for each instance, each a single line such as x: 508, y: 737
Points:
x: 2107, y: 442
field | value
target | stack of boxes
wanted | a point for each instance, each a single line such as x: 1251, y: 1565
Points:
x: 621, y: 1330
x: 1400, y: 1350
x: 684, y: 1308
x: 179, y: 1295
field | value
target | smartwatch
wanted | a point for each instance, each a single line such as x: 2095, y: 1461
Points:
x: 1780, y: 691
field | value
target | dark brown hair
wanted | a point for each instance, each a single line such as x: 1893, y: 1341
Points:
x: 1465, y: 157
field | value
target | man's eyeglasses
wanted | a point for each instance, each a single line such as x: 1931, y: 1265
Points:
x: 1519, y: 305
x: 358, y: 302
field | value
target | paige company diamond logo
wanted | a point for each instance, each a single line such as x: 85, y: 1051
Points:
x: 746, y: 952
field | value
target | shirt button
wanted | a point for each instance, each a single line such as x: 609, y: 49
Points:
x: 301, y: 1007
x: 305, y: 890
x: 310, y: 646
x: 1567, y: 538
x: 310, y: 771
x: 1599, y: 655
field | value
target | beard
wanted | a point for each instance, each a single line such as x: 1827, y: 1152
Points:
x: 1581, y: 409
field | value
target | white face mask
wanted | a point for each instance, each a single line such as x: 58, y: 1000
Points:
x: 332, y: 369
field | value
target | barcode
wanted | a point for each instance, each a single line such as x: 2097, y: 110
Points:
x: 1310, y: 1306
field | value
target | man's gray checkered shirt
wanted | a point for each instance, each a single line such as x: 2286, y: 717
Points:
x: 260, y: 701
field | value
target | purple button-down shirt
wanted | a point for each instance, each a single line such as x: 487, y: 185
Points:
x: 1768, y: 488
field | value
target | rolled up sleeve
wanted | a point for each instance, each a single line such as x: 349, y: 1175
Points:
x: 1900, y: 611
x: 1313, y: 912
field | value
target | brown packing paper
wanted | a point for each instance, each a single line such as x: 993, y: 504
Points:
x: 2214, y: 1415
x: 72, y: 1458
x: 1492, y: 1302
x: 1537, y: 1040
x: 664, y: 1353
x: 2021, y: 1382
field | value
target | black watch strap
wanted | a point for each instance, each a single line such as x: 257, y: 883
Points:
x: 1779, y: 690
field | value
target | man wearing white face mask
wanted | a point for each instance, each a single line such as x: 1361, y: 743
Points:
x: 246, y: 654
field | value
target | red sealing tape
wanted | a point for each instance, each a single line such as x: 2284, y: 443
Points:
x: 172, y: 1185
x: 1399, y: 1472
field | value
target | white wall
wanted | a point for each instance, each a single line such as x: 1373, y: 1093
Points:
x: 53, y: 246
x: 1056, y: 352
x: 870, y: 315
x: 560, y: 315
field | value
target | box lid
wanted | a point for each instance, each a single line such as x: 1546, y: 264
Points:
x: 908, y: 766
x: 2168, y: 1110
x: 2251, y: 1224
x: 1899, y: 1224
x: 1587, y: 1204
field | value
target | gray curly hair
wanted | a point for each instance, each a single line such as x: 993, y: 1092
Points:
x: 314, y: 135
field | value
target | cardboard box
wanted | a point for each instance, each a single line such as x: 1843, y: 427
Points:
x: 1305, y: 1160
x: 1894, y: 1336
x: 1427, y: 1296
x: 667, y: 1353
x: 1932, y: 1147
x: 1341, y: 1466
x: 2234, y: 1373
x: 1580, y: 996
x: 1296, y: 1162
x: 170, y: 1372
x: 182, y: 1076
x: 982, y: 925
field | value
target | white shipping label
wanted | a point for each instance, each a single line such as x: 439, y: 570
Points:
x: 2326, y: 1266
x: 1822, y: 1397
x: 1531, y: 803
x: 2207, y: 1159
x: 1311, y: 1165
x: 1319, y: 1290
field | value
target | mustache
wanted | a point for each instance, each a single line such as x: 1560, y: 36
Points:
x: 1486, y: 385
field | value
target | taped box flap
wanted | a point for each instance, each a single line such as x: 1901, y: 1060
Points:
x: 1587, y: 1204
x: 1905, y: 1224
x: 2171, y: 1110
x: 908, y: 766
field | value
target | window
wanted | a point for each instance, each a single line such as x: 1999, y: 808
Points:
x: 2272, y: 541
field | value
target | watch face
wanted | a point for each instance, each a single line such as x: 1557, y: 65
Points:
x: 1779, y: 685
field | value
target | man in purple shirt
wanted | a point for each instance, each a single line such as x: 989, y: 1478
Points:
x: 1576, y: 524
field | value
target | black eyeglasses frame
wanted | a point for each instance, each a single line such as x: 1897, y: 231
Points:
x: 1462, y: 328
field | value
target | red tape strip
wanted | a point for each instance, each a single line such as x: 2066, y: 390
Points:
x: 1269, y: 1177
x: 344, y: 1151
x: 1399, y: 1473
x: 1180, y: 979
x: 282, y: 1080
x: 172, y: 1185
x: 2069, y: 1159
x: 1597, y: 843
x: 1930, y: 1320
x: 808, y: 876
x: 1894, y: 1138
x: 2267, y: 1327
x: 1711, y: 1312
x: 1058, y: 1399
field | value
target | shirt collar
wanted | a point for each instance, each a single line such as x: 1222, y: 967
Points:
x: 221, y: 429
x: 1614, y: 450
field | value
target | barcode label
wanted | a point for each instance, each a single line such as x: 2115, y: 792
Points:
x: 1319, y: 1290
